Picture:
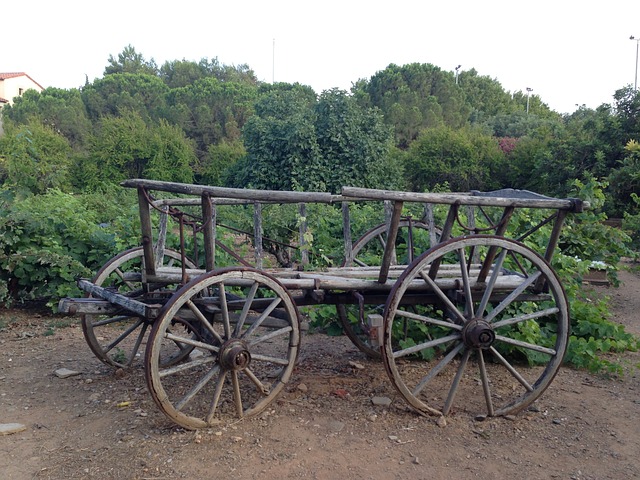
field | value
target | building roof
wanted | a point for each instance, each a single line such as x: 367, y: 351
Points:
x: 2, y: 100
x: 6, y: 75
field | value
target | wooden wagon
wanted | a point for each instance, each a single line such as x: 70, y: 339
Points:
x: 445, y: 308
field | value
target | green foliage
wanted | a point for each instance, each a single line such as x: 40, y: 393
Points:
x: 34, y: 158
x: 462, y: 158
x: 62, y: 110
x: 49, y: 240
x: 126, y: 147
x: 130, y: 61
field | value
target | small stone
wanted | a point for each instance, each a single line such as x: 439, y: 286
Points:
x: 356, y: 365
x: 236, y: 439
x: 336, y: 426
x: 441, y: 422
x: 557, y: 421
x: 66, y: 373
x: 381, y: 401
x: 480, y: 418
x: 120, y: 373
x: 9, y: 428
x: 393, y: 438
x: 416, y: 461
x: 511, y: 418
x: 303, y: 388
x: 373, y: 417
x: 534, y: 408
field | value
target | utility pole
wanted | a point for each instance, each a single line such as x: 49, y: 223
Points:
x: 529, y: 90
x: 457, y: 68
x: 635, y: 85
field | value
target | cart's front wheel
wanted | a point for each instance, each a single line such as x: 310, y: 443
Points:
x: 247, y: 338
x: 457, y: 340
x: 117, y: 339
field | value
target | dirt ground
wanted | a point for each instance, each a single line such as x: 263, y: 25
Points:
x: 103, y: 424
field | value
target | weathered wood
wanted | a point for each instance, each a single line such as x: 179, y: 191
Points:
x: 302, y: 230
x: 392, y: 234
x: 131, y: 305
x: 257, y: 233
x: 240, y: 193
x: 346, y: 229
x: 464, y: 199
x: 147, y: 231
x: 209, y: 231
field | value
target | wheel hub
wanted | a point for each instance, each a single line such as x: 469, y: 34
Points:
x: 234, y: 355
x: 478, y: 333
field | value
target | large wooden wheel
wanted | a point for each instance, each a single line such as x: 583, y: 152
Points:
x: 495, y: 343
x: 413, y: 239
x: 247, y: 329
x: 117, y: 339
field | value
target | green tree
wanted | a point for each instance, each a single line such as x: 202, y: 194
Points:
x: 62, y: 110
x: 119, y: 92
x: 181, y: 73
x: 462, y: 159
x: 126, y: 147
x: 34, y: 158
x: 414, y: 97
x: 282, y: 149
x: 211, y: 110
x: 353, y: 142
x: 130, y: 61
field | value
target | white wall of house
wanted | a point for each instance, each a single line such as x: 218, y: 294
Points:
x: 15, y: 86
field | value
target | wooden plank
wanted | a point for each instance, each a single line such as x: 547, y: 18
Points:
x: 464, y: 199
x: 129, y: 304
x: 240, y: 193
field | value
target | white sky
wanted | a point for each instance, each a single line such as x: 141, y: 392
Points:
x: 568, y: 52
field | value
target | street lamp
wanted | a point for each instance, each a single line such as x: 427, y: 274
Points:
x: 635, y: 85
x: 529, y: 90
x: 457, y: 68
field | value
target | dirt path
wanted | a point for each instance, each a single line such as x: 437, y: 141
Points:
x: 323, y: 426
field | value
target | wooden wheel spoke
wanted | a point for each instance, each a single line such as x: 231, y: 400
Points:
x: 136, y: 346
x: 185, y: 366
x: 245, y: 309
x: 466, y: 284
x: 237, y: 395
x: 438, y: 368
x: 484, y: 378
x: 110, y: 320
x: 269, y: 359
x: 425, y: 345
x: 428, y: 320
x: 262, y: 388
x: 523, y: 318
x: 456, y: 381
x: 270, y: 336
x: 179, y: 340
x: 120, y: 274
x: 123, y: 335
x: 272, y: 306
x: 511, y: 369
x: 196, y: 311
x: 225, y: 310
x: 216, y: 396
x: 497, y: 267
x: 443, y: 296
x: 527, y: 345
x: 512, y: 296
x: 206, y: 378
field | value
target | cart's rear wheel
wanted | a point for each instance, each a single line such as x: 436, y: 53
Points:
x: 248, y: 335
x: 494, y: 344
x: 413, y: 239
x: 117, y: 339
